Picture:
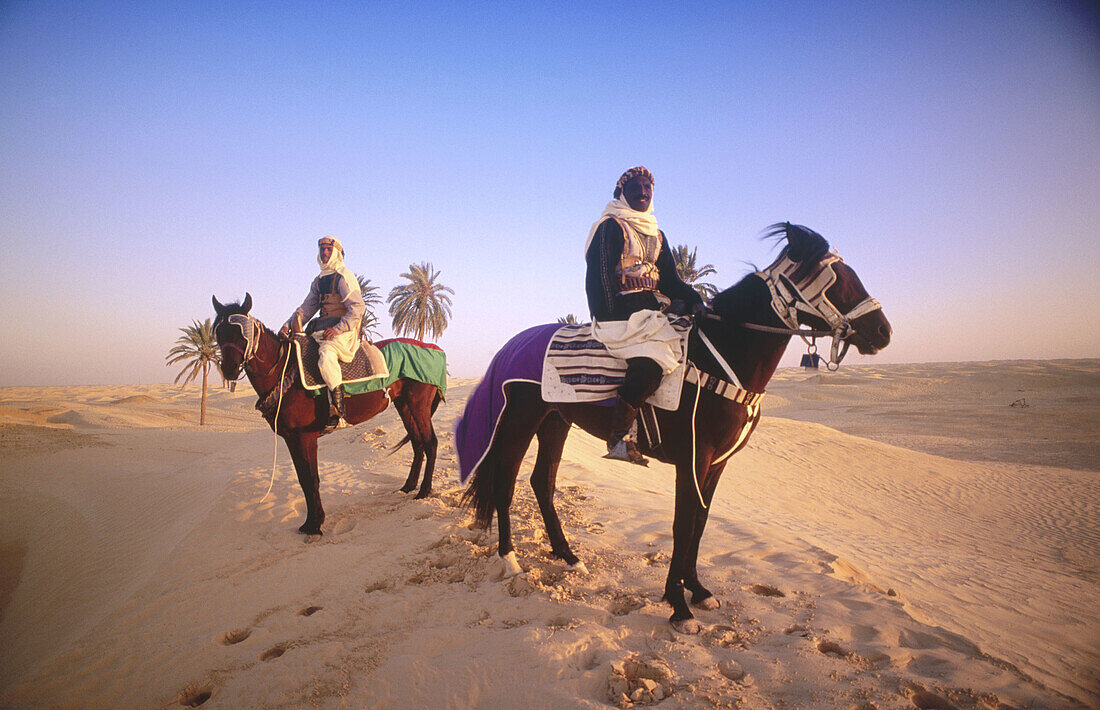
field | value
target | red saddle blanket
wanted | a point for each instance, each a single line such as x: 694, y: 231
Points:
x: 368, y: 364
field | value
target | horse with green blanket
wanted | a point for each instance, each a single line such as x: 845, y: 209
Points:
x: 416, y: 383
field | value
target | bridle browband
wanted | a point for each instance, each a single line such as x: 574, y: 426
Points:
x: 808, y: 295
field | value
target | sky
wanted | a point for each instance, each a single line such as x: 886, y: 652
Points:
x: 155, y: 154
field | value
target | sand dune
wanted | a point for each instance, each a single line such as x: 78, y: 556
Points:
x: 894, y: 537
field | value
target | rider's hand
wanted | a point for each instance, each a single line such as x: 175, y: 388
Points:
x: 284, y: 331
x: 330, y: 333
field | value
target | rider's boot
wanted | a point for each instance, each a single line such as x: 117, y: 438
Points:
x: 621, y: 444
x: 336, y: 396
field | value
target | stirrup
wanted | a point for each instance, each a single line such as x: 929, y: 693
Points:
x: 625, y: 450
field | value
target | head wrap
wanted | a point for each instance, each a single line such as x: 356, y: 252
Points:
x: 619, y: 209
x: 335, y: 260
x: 638, y: 170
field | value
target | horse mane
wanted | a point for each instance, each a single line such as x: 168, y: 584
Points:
x: 803, y: 245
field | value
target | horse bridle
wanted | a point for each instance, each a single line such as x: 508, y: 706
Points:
x: 809, y: 296
x: 250, y: 333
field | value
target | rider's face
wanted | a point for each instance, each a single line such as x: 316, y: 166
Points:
x: 638, y: 193
x: 324, y: 251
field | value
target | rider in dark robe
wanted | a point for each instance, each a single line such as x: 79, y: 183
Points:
x: 631, y: 279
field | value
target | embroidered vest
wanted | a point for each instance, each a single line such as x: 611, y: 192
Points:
x: 637, y: 269
x: 332, y: 305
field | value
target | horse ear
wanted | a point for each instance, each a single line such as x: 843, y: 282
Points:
x: 247, y: 305
x: 218, y: 308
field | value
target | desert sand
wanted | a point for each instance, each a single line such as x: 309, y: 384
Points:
x: 898, y: 536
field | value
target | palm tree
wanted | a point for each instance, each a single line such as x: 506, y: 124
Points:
x: 197, y: 349
x: 690, y: 274
x: 422, y: 306
x: 569, y: 319
x: 371, y: 299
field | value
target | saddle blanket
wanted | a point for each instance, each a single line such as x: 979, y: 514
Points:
x: 368, y: 364
x: 578, y: 368
x: 523, y: 359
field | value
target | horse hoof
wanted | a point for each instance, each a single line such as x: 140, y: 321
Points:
x: 307, y: 529
x: 422, y: 494
x: 708, y: 603
x: 578, y: 567
x: 687, y: 626
x: 511, y: 566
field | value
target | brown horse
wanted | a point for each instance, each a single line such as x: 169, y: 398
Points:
x: 732, y: 354
x: 302, y: 418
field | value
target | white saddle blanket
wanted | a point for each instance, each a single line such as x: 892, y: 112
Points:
x: 578, y: 368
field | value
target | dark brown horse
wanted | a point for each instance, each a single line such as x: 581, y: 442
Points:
x: 302, y: 418
x: 732, y: 354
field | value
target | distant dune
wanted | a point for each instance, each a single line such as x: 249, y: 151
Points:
x: 904, y: 536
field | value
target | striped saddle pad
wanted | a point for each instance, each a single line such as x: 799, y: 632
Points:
x: 368, y: 363
x: 578, y: 368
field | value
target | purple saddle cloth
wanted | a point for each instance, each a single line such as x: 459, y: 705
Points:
x: 520, y: 360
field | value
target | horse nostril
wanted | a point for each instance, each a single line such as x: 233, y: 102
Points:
x: 884, y: 331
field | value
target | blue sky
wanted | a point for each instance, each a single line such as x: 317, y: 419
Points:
x: 154, y: 154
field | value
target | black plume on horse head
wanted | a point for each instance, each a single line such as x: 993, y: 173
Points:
x: 804, y: 246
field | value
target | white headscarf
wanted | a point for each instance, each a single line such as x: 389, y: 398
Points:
x: 641, y: 222
x: 335, y: 260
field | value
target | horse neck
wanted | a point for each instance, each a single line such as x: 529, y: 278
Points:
x: 264, y: 369
x: 752, y: 355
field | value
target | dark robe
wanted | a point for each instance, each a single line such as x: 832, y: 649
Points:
x: 602, y: 284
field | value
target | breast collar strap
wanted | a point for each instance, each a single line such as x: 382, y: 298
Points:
x: 731, y: 389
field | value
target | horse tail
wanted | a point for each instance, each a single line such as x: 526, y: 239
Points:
x: 478, y: 496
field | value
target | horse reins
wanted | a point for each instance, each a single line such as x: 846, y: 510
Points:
x: 247, y: 324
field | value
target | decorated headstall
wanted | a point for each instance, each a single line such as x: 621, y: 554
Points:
x: 249, y: 331
x: 809, y: 296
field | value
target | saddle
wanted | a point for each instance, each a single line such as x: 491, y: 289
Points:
x: 578, y: 368
x: 368, y: 364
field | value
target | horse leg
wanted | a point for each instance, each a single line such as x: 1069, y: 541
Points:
x: 414, y: 469
x: 415, y: 408
x: 684, y: 523
x: 303, y: 451
x: 429, y: 443
x: 552, y: 434
x: 518, y: 423
x: 404, y: 410
x: 700, y: 595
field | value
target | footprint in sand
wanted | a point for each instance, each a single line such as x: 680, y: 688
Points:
x: 193, y: 696
x: 274, y: 652
x: 309, y: 611
x: 378, y: 586
x: 344, y: 525
x: 625, y: 604
x: 236, y: 636
x: 930, y: 701
x: 766, y: 590
x: 832, y: 647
